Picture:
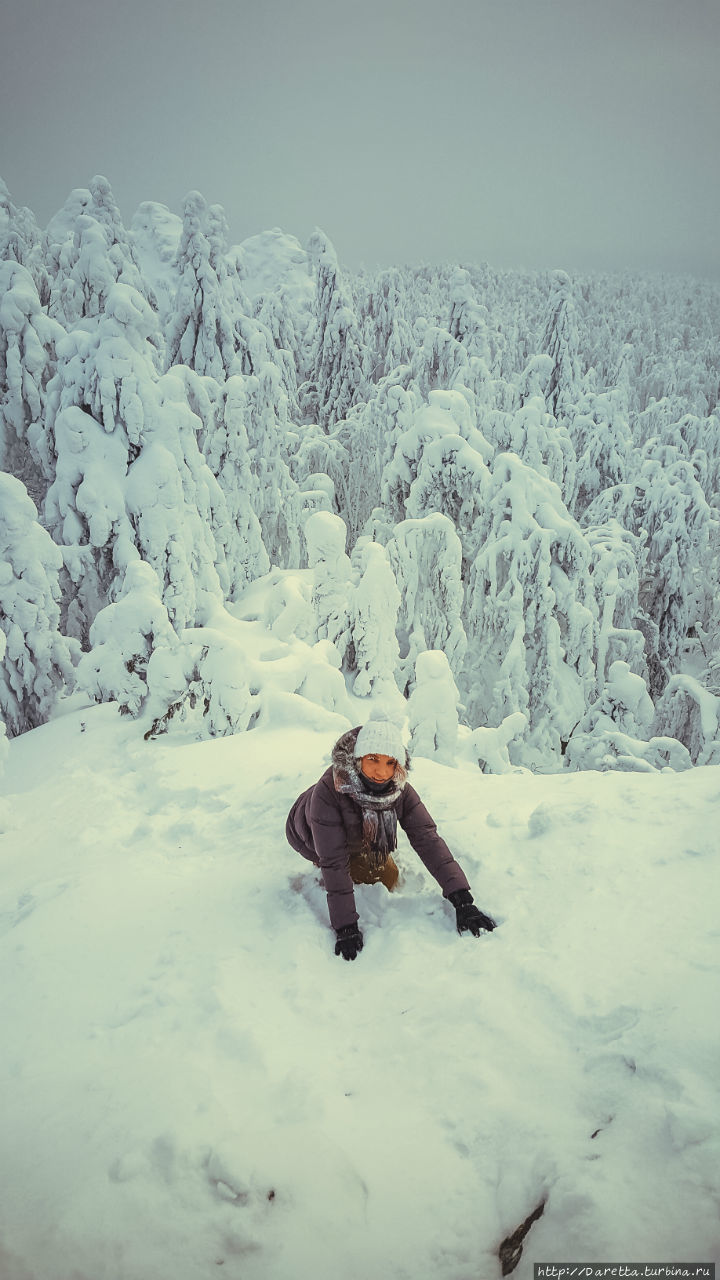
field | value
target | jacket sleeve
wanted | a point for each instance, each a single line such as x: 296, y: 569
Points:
x: 422, y: 833
x: 331, y: 846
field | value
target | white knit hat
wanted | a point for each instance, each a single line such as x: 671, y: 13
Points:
x: 382, y: 736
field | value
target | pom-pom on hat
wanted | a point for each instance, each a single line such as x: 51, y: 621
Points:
x: 380, y: 736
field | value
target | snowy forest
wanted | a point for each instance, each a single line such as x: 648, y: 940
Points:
x: 489, y: 498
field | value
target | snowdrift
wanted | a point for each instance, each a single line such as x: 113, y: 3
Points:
x: 196, y: 1086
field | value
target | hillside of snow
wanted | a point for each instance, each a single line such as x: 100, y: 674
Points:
x: 195, y: 1085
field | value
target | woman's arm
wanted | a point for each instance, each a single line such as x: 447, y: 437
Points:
x: 423, y: 836
x: 430, y: 847
x: 330, y: 841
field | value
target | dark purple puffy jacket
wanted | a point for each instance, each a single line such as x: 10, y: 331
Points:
x: 324, y: 825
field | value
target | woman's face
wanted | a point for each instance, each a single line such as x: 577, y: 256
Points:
x: 378, y: 768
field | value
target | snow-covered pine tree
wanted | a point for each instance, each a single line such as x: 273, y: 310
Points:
x: 123, y: 637
x: 491, y: 747
x: 361, y: 445
x: 121, y: 250
x: 337, y: 370
x: 85, y: 275
x: 375, y: 610
x: 665, y: 505
x: 433, y: 709
x: 200, y: 682
x: 439, y: 362
x: 691, y: 713
x: 95, y: 255
x: 616, y: 581
x: 178, y: 511
x: 274, y: 495
x: 562, y: 343
x: 531, y: 611
x: 333, y: 587
x: 227, y: 452
x: 200, y: 330
x: 542, y: 443
x: 21, y: 241
x: 275, y: 313
x: 61, y: 229
x: 603, y: 445
x: 535, y: 378
x: 28, y: 342
x: 697, y: 439
x: 387, y: 336
x: 468, y: 319
x: 455, y: 466
x: 37, y: 662
x: 468, y: 324
x: 426, y: 559
x: 614, y: 731
x: 130, y: 480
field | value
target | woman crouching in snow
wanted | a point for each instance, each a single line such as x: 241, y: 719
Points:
x: 346, y: 824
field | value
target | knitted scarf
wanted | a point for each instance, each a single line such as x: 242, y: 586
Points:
x: 379, y: 817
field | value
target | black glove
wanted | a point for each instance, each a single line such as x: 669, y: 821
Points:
x: 349, y: 942
x: 469, y: 917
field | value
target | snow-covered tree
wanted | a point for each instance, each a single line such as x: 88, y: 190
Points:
x: 121, y: 250
x: 561, y: 342
x: 468, y: 325
x: 178, y: 511
x: 433, y: 709
x: 276, y: 314
x: 542, y: 443
x: 363, y: 444
x: 451, y: 477
x: 531, y: 610
x: 490, y: 747
x: 614, y: 731
x: 665, y: 504
x: 228, y: 455
x: 123, y: 636
x: 535, y: 378
x: 274, y: 494
x: 333, y: 587
x: 616, y: 582
x: 28, y: 342
x: 21, y: 242
x: 96, y: 255
x: 468, y: 319
x: 337, y: 371
x: 691, y: 713
x: 387, y: 336
x: 130, y: 481
x: 288, y: 610
x: 37, y: 661
x: 376, y: 604
x: 200, y: 683
x: 439, y: 361
x: 200, y: 331
x: 426, y: 558
x: 624, y: 699
x: 603, y: 445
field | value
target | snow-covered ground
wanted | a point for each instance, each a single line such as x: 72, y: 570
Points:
x: 193, y: 1085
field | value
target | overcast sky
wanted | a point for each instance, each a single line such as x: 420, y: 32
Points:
x: 537, y: 133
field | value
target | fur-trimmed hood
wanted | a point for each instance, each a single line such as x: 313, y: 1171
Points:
x: 346, y: 776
